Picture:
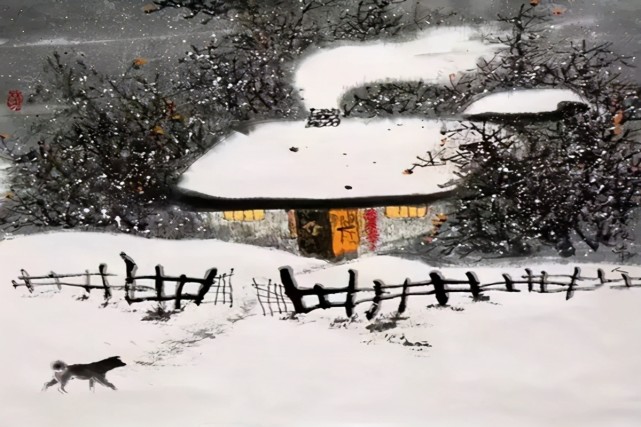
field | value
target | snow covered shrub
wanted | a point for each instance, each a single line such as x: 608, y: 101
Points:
x: 411, y: 98
x: 567, y: 179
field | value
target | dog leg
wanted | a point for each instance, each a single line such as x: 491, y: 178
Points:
x: 91, y: 385
x: 49, y: 384
x: 63, y: 382
x: 101, y: 379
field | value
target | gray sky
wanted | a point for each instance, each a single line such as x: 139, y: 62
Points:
x: 115, y: 31
x: 111, y: 33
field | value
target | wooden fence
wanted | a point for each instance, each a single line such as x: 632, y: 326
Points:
x: 54, y: 279
x: 221, y: 284
x: 271, y: 295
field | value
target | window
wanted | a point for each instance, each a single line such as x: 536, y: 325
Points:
x: 405, y: 211
x: 251, y: 215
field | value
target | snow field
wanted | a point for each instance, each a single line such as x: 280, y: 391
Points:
x: 531, y: 360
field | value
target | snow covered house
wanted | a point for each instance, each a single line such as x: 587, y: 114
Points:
x: 330, y: 192
x: 336, y: 188
x: 336, y: 192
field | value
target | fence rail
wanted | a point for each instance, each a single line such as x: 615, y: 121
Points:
x: 271, y: 295
x: 53, y: 279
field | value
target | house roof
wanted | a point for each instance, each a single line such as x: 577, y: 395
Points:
x: 359, y: 159
x: 324, y: 76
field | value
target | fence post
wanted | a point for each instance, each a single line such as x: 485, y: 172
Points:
x: 219, y: 280
x: 439, y: 287
x: 351, y: 288
x: 269, y: 291
x: 208, y: 283
x: 231, y: 290
x: 130, y: 280
x: 626, y: 280
x: 87, y: 281
x: 575, y: 276
x: 543, y: 285
x: 102, y: 269
x: 530, y: 284
x: 291, y: 289
x: 474, y: 285
x: 509, y: 283
x: 56, y: 279
x: 159, y: 283
x: 402, y: 306
x: 376, y: 303
x: 260, y: 301
x: 282, y: 297
x: 26, y: 280
x: 179, y: 291
x: 322, y: 297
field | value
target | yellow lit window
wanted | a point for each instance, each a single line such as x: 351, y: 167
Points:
x: 405, y: 211
x: 251, y: 215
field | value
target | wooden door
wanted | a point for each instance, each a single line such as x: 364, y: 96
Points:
x: 345, y: 235
x: 314, y: 233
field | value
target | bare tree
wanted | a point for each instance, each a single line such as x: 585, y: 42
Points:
x: 554, y: 182
x: 109, y: 157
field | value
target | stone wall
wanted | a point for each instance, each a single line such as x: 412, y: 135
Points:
x: 272, y: 231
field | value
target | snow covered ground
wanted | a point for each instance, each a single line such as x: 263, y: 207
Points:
x: 517, y: 360
x: 358, y: 158
x: 324, y: 76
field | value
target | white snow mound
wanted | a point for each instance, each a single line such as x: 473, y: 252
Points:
x: 324, y: 76
x: 523, y: 101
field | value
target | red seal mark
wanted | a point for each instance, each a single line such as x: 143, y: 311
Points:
x: 371, y: 228
x: 14, y: 100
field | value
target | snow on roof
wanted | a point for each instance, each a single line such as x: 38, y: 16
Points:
x: 359, y: 158
x: 433, y: 56
x: 523, y: 101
